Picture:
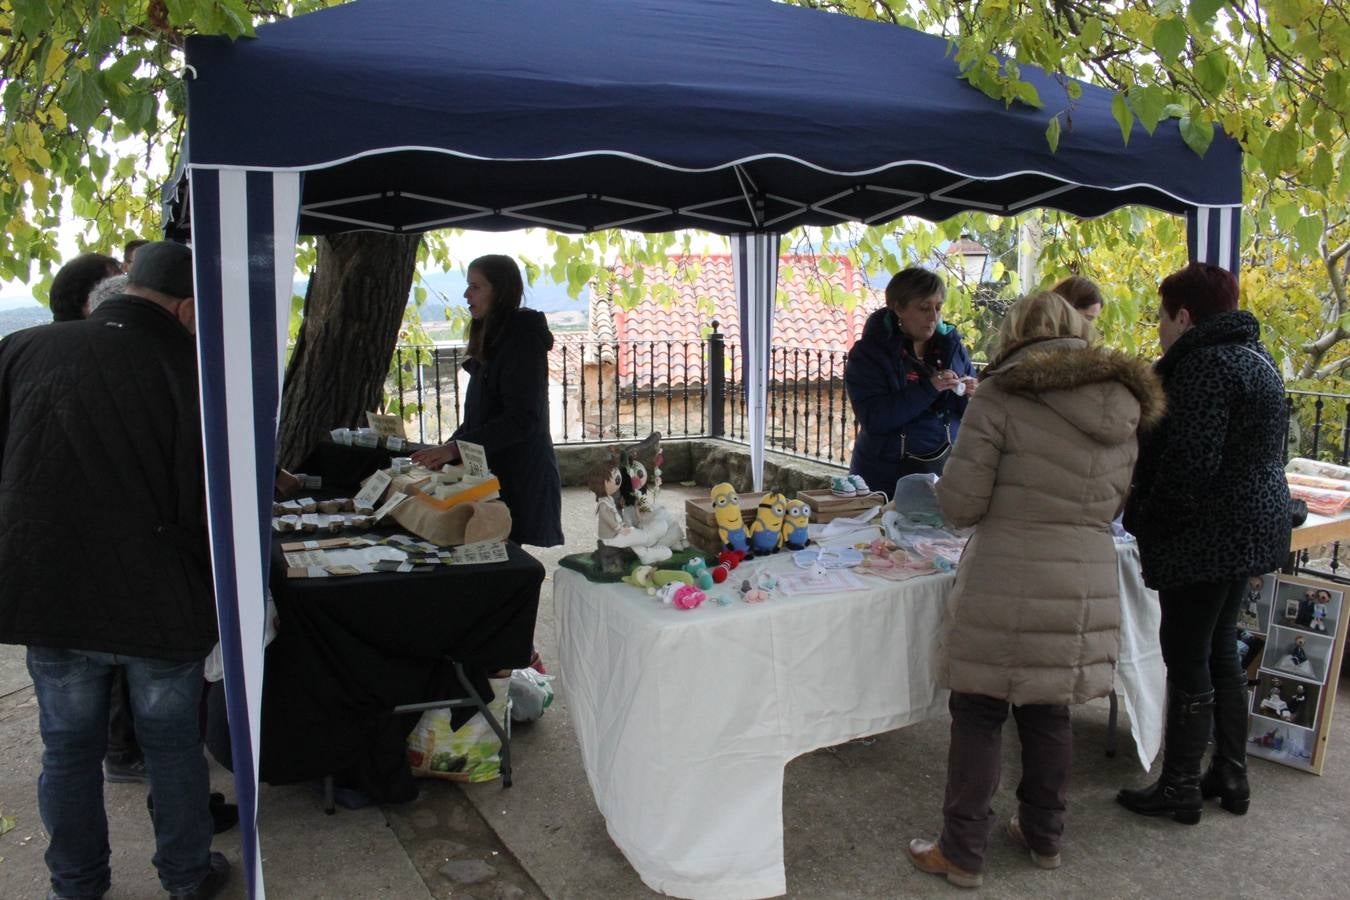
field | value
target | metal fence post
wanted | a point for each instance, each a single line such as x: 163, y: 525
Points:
x: 717, y: 385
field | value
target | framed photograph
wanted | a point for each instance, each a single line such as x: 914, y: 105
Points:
x: 1315, y: 609
x: 1293, y: 651
x: 1286, y: 700
x: 1300, y: 663
x: 1282, y: 742
x: 1254, y: 613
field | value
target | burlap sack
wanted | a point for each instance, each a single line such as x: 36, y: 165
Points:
x: 464, y: 523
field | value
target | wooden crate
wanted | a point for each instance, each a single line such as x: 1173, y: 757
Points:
x: 700, y: 525
x: 825, y: 506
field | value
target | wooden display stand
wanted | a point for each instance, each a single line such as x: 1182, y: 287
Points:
x: 1295, y: 692
x: 826, y: 506
x: 700, y: 525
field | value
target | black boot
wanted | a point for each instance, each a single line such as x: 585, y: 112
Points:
x: 1226, y: 777
x: 1177, y: 792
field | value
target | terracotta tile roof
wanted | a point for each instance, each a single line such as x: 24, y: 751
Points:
x: 653, y: 332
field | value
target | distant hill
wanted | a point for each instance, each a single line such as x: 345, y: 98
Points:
x: 12, y: 320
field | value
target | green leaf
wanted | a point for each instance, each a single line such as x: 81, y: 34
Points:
x: 1052, y: 134
x: 1027, y: 93
x: 1322, y: 169
x: 1091, y: 34
x: 1197, y: 130
x: 1203, y: 11
x: 81, y: 99
x: 1287, y: 215
x: 1307, y: 233
x: 1121, y: 110
x: 1212, y: 72
x: 1148, y: 103
x: 1280, y: 152
x: 32, y: 18
x: 1169, y: 38
x: 103, y: 35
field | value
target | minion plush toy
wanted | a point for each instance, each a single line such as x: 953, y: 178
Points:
x: 794, y: 525
x: 727, y: 512
x: 766, y: 533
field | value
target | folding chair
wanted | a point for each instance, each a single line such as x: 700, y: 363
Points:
x: 473, y: 699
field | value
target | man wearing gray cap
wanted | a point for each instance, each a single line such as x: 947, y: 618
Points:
x: 104, y: 562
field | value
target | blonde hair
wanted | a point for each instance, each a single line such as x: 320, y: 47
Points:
x: 1038, y: 316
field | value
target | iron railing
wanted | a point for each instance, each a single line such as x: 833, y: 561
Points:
x: 608, y: 391
x: 612, y: 391
x: 1319, y: 428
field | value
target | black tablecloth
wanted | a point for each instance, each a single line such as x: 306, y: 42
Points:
x: 349, y: 649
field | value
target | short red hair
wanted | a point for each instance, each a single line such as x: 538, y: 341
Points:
x: 1200, y: 289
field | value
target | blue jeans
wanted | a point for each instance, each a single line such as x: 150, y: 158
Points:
x: 72, y: 693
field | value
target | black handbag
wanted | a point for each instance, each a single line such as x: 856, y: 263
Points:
x: 1298, y: 512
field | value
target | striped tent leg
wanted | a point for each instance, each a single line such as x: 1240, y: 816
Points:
x: 754, y: 260
x: 1213, y: 235
x: 243, y: 229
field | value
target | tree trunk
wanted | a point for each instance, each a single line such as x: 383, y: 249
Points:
x: 353, y: 308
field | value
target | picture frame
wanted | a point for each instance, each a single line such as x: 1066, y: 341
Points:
x: 1286, y: 700
x: 1297, y: 666
x: 1297, y: 653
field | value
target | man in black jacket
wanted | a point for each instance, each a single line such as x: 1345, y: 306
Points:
x: 103, y: 558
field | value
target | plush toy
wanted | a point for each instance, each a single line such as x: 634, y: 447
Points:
x: 730, y: 525
x: 682, y: 596
x: 604, y: 481
x: 794, y: 525
x: 752, y: 594
x: 640, y: 509
x: 766, y: 532
x: 654, y: 580
x: 698, y: 568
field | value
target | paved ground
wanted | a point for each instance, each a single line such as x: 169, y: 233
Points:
x: 848, y: 812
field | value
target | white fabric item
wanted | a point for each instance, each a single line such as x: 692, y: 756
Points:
x: 686, y: 719
x: 1141, y: 676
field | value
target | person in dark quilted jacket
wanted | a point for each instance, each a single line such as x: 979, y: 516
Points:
x: 1210, y: 508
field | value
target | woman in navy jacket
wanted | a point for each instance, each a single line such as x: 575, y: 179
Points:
x: 506, y: 405
x: 908, y: 378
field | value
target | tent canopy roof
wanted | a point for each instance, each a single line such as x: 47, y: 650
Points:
x: 725, y: 115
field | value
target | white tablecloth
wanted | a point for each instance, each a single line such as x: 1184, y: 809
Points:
x: 686, y: 719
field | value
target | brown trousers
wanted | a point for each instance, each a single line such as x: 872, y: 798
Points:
x: 975, y: 761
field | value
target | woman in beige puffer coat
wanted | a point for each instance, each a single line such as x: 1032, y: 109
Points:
x: 1040, y: 468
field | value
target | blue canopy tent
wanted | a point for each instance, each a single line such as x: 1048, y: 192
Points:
x: 742, y: 117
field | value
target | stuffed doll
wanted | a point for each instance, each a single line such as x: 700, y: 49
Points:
x: 730, y: 525
x: 1319, y: 616
x: 605, y: 481
x: 640, y: 509
x: 794, y: 525
x: 766, y: 532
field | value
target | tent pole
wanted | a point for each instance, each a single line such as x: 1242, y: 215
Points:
x: 244, y: 226
x: 754, y: 258
x: 1213, y: 235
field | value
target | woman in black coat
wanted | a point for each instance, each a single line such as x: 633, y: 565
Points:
x: 1210, y: 508
x: 506, y: 405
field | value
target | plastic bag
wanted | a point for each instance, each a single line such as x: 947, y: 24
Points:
x: 473, y: 753
x: 531, y: 694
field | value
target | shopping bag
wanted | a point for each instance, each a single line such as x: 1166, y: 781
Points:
x: 470, y: 753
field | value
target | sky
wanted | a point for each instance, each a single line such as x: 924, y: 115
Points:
x: 531, y: 243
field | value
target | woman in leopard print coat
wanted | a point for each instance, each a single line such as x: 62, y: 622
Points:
x: 1210, y: 508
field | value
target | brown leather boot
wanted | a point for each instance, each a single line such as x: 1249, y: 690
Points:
x: 927, y: 857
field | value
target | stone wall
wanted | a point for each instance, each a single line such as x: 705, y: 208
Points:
x: 706, y: 461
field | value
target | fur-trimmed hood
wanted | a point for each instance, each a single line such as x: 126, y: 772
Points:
x: 1082, y: 384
